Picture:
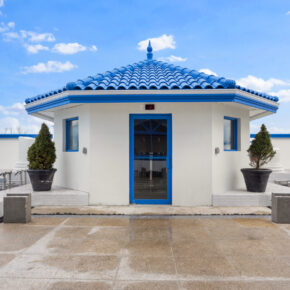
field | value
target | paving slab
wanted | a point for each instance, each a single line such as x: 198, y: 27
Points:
x: 145, y: 252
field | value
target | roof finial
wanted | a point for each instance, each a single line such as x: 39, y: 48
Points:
x: 149, y: 51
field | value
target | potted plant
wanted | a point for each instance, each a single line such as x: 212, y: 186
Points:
x: 260, y: 152
x: 41, y: 157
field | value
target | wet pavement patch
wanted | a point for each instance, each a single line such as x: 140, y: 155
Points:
x: 129, y: 252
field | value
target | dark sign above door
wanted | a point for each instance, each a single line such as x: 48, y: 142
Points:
x: 150, y: 107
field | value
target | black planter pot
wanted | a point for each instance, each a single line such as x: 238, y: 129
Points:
x: 256, y: 179
x: 41, y: 180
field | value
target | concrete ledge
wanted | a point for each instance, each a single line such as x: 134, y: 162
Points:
x: 149, y: 210
x: 57, y: 196
x: 241, y: 197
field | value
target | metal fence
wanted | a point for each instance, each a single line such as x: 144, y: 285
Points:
x: 11, y: 178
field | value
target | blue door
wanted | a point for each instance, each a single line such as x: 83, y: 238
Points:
x: 150, y: 158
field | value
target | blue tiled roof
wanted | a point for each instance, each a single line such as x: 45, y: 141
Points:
x: 151, y: 75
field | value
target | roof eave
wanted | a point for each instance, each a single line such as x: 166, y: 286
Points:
x: 144, y: 96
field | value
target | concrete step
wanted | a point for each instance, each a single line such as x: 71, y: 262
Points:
x: 58, y: 196
x: 241, y: 197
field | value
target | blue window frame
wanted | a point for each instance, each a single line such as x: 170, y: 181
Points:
x: 72, y: 134
x: 230, y: 134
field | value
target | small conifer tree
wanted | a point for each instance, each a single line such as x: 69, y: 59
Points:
x: 261, y: 150
x: 41, y: 154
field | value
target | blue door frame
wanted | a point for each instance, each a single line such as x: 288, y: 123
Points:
x: 167, y: 117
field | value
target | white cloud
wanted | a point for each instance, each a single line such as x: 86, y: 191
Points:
x: 13, y: 110
x: 37, y: 37
x: 283, y: 95
x: 273, y: 130
x: 158, y: 43
x: 14, y: 119
x: 8, y: 36
x: 288, y: 13
x: 260, y: 84
x: 30, y: 36
x: 93, y: 48
x: 24, y: 124
x: 172, y: 58
x: 11, y: 24
x: 72, y: 48
x: 35, y: 48
x: 9, y: 123
x: 31, y: 40
x: 49, y: 67
x: 208, y: 71
x: 1, y: 3
x: 69, y: 48
x: 6, y: 27
x: 18, y: 107
x: 255, y: 128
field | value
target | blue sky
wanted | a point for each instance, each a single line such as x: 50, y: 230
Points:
x: 45, y: 44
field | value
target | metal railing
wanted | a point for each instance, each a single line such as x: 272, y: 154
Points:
x: 283, y: 182
x: 12, y: 177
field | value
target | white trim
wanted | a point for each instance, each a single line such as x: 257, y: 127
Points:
x: 260, y: 115
x: 151, y: 92
x: 43, y: 116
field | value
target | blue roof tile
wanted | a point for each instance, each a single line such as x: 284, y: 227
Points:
x: 154, y: 75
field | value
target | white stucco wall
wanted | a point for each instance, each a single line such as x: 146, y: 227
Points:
x: 227, y: 164
x: 191, y: 163
x: 197, y: 128
x: 72, y: 167
x: 8, y: 152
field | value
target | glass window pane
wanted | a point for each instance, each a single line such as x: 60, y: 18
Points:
x: 73, y: 135
x: 229, y: 134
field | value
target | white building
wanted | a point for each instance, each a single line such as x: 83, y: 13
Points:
x: 151, y: 133
x: 13, y: 150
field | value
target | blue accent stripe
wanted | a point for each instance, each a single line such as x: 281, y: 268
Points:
x: 274, y: 135
x: 167, y: 117
x: 81, y: 99
x: 15, y: 136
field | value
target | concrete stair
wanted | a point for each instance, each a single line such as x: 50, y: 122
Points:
x: 241, y: 197
x: 58, y: 196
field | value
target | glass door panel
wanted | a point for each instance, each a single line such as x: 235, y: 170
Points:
x: 150, y: 159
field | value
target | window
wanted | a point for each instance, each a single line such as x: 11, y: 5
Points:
x: 230, y: 134
x: 72, y: 134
